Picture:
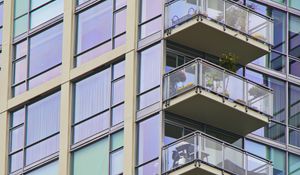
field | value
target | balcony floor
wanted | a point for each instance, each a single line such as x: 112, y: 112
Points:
x: 209, y: 108
x: 210, y: 37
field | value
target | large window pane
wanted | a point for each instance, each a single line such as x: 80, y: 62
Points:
x: 148, y: 139
x: 294, y: 164
x: 116, y: 162
x: 294, y: 105
x: 150, y: 68
x: 92, y: 95
x: 49, y: 169
x: 275, y: 155
x: 43, y: 118
x: 294, y: 4
x: 45, y: 50
x: 294, y: 137
x: 46, y: 13
x: 21, y: 7
x: 294, y: 35
x: 150, y: 9
x: 294, y: 67
x: 90, y: 28
x: 92, y: 159
x: 274, y: 131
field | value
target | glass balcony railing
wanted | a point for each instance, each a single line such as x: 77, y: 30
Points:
x: 200, y: 147
x: 225, y: 12
x: 203, y: 74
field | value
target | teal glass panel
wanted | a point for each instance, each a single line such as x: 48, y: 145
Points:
x: 93, y: 159
x: 294, y: 164
x: 49, y: 169
x: 20, y: 25
x: 294, y: 4
x: 117, y: 140
x: 21, y: 7
x: 279, y: 1
x: 36, y: 3
x: 46, y: 13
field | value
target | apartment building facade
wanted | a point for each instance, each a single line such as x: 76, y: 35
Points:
x: 110, y: 87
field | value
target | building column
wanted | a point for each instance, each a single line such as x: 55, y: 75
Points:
x: 66, y: 88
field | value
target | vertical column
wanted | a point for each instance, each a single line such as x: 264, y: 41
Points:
x: 5, y: 81
x: 66, y: 90
x: 132, y: 24
x: 130, y: 114
x: 5, y: 72
x: 4, y: 143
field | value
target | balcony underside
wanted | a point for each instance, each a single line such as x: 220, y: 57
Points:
x: 210, y: 37
x: 194, y: 169
x: 209, y: 108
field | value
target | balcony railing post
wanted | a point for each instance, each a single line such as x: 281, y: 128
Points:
x: 246, y: 93
x: 247, y: 23
x: 200, y: 73
x: 223, y: 156
x: 224, y: 77
x: 224, y: 8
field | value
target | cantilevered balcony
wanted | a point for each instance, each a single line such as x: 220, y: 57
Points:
x: 219, y: 27
x: 199, y: 153
x: 208, y: 93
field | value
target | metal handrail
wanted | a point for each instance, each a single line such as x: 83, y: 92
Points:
x: 196, y: 60
x: 218, y: 141
x: 268, y: 39
x: 233, y: 2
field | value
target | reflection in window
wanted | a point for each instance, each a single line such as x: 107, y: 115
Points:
x: 38, y: 13
x: 149, y: 76
x: 294, y: 36
x: 294, y: 105
x: 148, y: 145
x: 294, y: 164
x: 279, y: 92
x: 276, y: 156
x: 51, y: 168
x: 101, y: 157
x: 150, y: 17
x: 39, y: 125
x: 275, y: 61
x: 92, y: 37
x: 99, y: 102
x: 294, y: 4
x: 294, y: 67
x: 274, y: 131
x: 37, y: 60
x: 294, y: 137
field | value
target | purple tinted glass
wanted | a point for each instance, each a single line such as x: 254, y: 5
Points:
x: 148, y: 139
x: 20, y: 70
x: 94, y: 26
x: 294, y: 67
x: 19, y: 89
x: 120, y: 40
x: 44, y: 77
x: 94, y: 53
x: 21, y: 49
x: 118, y: 115
x: 150, y: 27
x: 151, y: 168
x: 45, y: 50
x: 120, y: 22
x: 150, y: 9
x: 120, y: 4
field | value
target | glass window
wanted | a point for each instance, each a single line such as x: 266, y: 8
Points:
x: 294, y: 67
x: 51, y: 168
x: 39, y: 13
x: 294, y: 36
x: 150, y: 16
x: 40, y: 126
x: 148, y: 140
x: 37, y: 59
x: 294, y: 164
x: 279, y: 1
x: 102, y: 157
x: 276, y: 156
x: 99, y: 102
x: 274, y: 131
x: 294, y: 4
x: 150, y: 168
x: 150, y: 62
x: 93, y: 159
x: 274, y: 60
x: 172, y: 133
x: 294, y: 105
x: 279, y: 92
x: 92, y: 37
x: 294, y: 137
